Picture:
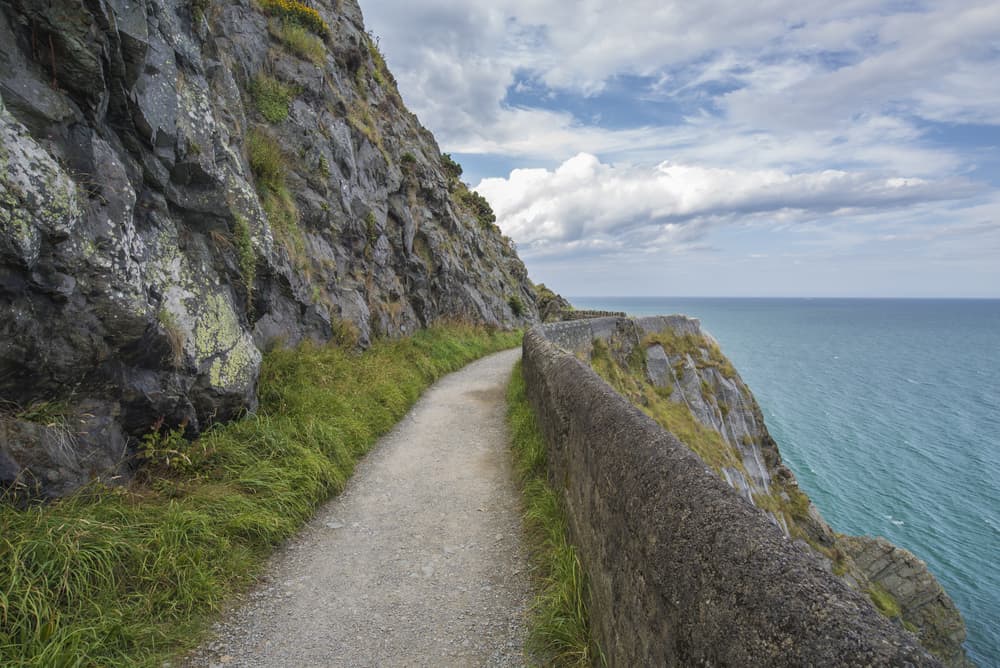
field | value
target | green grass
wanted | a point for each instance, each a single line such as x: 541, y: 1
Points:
x: 269, y: 167
x: 359, y: 115
x: 272, y: 97
x: 559, y: 631
x: 381, y: 71
x: 267, y: 161
x: 130, y: 576
x: 884, y: 601
x: 516, y: 305
x: 673, y: 416
x: 246, y: 253
x: 299, y: 40
x: 46, y: 413
x: 198, y: 9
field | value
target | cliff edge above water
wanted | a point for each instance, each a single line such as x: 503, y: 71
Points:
x: 676, y: 373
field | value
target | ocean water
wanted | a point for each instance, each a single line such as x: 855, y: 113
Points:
x: 888, y: 411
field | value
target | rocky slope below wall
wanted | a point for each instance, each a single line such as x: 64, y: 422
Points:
x: 184, y: 183
x: 677, y: 375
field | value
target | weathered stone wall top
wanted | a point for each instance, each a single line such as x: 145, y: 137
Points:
x: 577, y: 336
x: 682, y: 570
x: 577, y: 314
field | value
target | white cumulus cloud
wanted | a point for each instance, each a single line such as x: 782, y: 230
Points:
x: 673, y: 204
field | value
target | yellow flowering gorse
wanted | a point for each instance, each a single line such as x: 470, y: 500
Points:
x: 299, y: 12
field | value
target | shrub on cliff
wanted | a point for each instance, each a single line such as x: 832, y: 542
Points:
x: 298, y: 12
x: 477, y: 204
x: 451, y: 168
x: 516, y: 305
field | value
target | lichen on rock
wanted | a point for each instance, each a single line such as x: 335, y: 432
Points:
x: 143, y: 264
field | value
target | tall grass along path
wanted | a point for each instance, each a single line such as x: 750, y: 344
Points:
x: 130, y: 575
x: 418, y: 563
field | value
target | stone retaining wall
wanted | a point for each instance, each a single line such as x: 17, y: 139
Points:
x: 579, y: 314
x: 683, y: 571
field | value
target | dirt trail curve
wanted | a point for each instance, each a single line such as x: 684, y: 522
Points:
x: 418, y: 563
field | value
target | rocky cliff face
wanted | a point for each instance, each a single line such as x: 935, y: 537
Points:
x: 676, y: 373
x: 184, y: 183
x: 552, y: 307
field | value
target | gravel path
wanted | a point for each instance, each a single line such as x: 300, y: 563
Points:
x: 418, y: 563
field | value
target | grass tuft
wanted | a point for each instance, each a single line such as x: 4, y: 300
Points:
x: 131, y: 576
x: 269, y: 166
x: 272, y: 97
x: 246, y: 253
x: 559, y: 632
x: 884, y: 601
x: 299, y: 40
x: 267, y: 161
x: 175, y: 336
x: 45, y: 413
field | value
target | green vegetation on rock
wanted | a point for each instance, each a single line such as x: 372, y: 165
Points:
x: 267, y: 161
x: 198, y: 9
x: 516, y: 305
x: 704, y: 352
x: 552, y: 307
x: 465, y: 197
x: 360, y: 116
x: 451, y: 168
x: 271, y: 97
x: 128, y: 576
x: 673, y: 416
x: 45, y: 413
x: 246, y: 253
x: 175, y: 335
x: 884, y: 601
x: 298, y: 12
x: 381, y: 72
x: 559, y: 630
x: 477, y: 204
x: 299, y: 40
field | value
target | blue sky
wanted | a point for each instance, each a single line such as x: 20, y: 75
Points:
x: 772, y: 148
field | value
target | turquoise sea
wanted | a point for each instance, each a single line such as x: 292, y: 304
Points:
x: 888, y: 411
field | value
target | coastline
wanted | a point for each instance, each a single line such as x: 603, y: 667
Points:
x: 910, y: 488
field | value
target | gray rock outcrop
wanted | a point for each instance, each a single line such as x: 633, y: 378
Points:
x: 551, y: 305
x: 184, y: 183
x: 922, y: 601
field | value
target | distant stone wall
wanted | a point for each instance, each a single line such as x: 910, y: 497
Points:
x: 578, y: 314
x: 577, y: 336
x: 682, y: 570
